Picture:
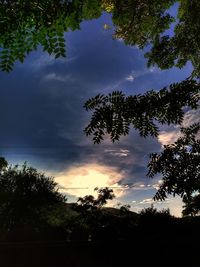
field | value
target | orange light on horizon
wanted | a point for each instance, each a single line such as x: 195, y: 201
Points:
x: 82, y: 180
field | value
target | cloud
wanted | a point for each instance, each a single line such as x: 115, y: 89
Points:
x: 147, y: 201
x: 154, y: 69
x: 44, y: 60
x: 130, y: 78
x: 157, y: 185
x: 190, y: 117
x: 170, y: 135
x: 175, y: 205
x: 118, y: 153
x: 150, y: 201
x: 143, y: 187
x: 82, y: 180
x: 138, y: 73
x: 121, y: 40
x: 56, y: 77
x: 166, y: 138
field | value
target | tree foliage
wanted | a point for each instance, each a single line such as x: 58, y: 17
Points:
x: 89, y: 202
x: 115, y: 113
x: 27, y: 197
x: 192, y: 206
x: 179, y: 165
x: 26, y: 25
x: 152, y: 219
x: 183, y: 46
x: 144, y: 23
x: 141, y: 22
x: 90, y: 216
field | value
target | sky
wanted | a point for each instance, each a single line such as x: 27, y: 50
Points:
x: 42, y: 116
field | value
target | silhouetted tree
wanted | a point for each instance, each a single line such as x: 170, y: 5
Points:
x: 179, y: 165
x: 153, y: 219
x: 192, y: 206
x: 125, y: 208
x: 91, y: 214
x: 28, y: 198
x: 3, y: 164
x: 90, y: 208
x: 90, y: 202
x: 115, y: 113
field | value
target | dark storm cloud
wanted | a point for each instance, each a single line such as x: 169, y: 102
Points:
x: 135, y: 163
x: 41, y: 104
x: 41, y: 101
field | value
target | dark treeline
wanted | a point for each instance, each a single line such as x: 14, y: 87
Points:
x: 33, y: 209
x: 39, y: 228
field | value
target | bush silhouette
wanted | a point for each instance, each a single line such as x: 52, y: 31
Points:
x: 28, y: 198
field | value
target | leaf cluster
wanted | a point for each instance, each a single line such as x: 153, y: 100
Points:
x: 179, y: 165
x: 89, y: 202
x: 115, y: 113
x: 25, y: 25
x: 144, y: 23
x: 192, y: 206
x: 140, y: 22
x: 168, y: 51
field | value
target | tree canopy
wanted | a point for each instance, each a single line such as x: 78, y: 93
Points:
x: 179, y: 165
x: 192, y: 206
x: 27, y: 197
x: 26, y: 25
x: 89, y: 202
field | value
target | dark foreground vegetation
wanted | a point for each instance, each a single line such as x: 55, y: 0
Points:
x: 39, y: 228
x: 126, y: 240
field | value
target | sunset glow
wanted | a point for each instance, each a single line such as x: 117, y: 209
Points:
x: 82, y: 180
